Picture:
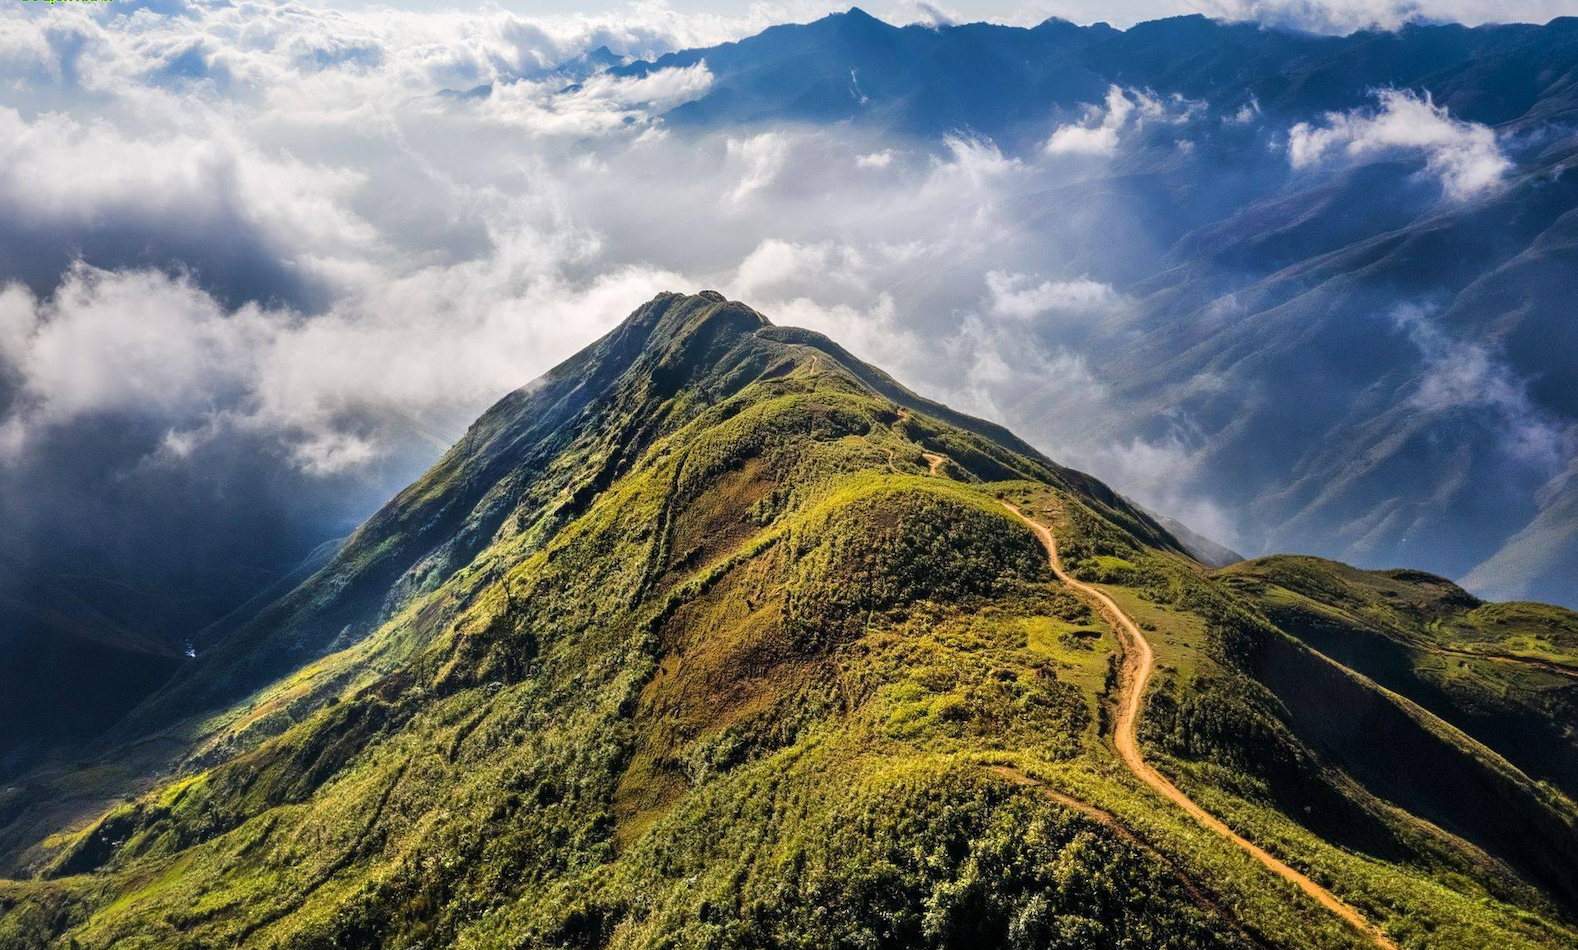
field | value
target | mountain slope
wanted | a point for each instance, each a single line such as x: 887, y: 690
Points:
x: 717, y: 635
x: 1346, y: 360
x: 1412, y: 411
x: 1004, y: 81
x: 111, y: 669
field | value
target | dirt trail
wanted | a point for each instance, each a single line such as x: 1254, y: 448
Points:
x: 1111, y: 823
x: 891, y: 467
x: 1138, y: 662
x: 934, y: 461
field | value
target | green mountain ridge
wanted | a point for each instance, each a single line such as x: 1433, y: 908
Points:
x: 716, y: 636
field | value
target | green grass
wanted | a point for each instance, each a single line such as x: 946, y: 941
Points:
x: 697, y: 668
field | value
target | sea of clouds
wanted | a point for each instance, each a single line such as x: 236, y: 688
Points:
x: 249, y: 249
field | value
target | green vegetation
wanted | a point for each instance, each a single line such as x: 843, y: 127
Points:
x: 1505, y: 674
x: 685, y: 646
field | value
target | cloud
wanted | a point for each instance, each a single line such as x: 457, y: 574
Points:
x: 1098, y: 133
x: 1159, y: 473
x: 775, y: 264
x: 1465, y: 156
x: 1002, y: 364
x: 877, y: 331
x: 976, y: 164
x: 1015, y: 295
x: 601, y: 105
x: 332, y: 389
x: 924, y: 13
x: 1467, y: 376
x: 112, y: 341
x: 297, y: 213
x: 1124, y: 110
x: 759, y: 160
x: 1247, y: 113
x: 1342, y: 17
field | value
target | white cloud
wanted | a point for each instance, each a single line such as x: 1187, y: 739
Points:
x: 329, y: 453
x: 601, y: 105
x: 925, y: 14
x: 975, y: 164
x: 1017, y: 296
x: 1003, y: 365
x: 1466, y: 375
x: 776, y: 263
x: 57, y: 172
x: 107, y: 341
x: 759, y: 160
x: 18, y: 319
x: 1465, y: 156
x: 1247, y: 113
x: 1100, y: 139
x: 1098, y: 133
x: 1346, y: 16
x: 146, y: 344
x: 1125, y: 109
x: 880, y: 159
x: 876, y: 332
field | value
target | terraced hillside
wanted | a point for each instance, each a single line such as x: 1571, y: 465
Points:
x: 716, y: 636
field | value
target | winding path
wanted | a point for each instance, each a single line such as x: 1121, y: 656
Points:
x: 1138, y: 662
x: 1110, y: 821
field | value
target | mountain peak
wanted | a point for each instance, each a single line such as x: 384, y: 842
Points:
x: 628, y: 627
x: 1193, y: 25
x: 671, y: 317
x: 855, y: 19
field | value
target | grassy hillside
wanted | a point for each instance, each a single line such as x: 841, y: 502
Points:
x: 1505, y: 674
x: 717, y: 637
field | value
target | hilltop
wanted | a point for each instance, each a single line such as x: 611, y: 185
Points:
x: 715, y: 635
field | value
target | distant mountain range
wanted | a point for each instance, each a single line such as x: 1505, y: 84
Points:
x: 1002, y: 81
x: 1331, y: 423
x: 717, y: 635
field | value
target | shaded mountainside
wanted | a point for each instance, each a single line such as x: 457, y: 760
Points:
x: 1003, y: 81
x: 1507, y: 674
x: 46, y: 644
x: 1333, y: 424
x: 715, y: 635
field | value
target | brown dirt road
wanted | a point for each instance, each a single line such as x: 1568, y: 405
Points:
x: 1111, y: 823
x: 1138, y: 662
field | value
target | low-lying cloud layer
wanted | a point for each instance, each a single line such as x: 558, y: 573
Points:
x: 254, y: 237
x: 1468, y: 376
x: 1346, y: 16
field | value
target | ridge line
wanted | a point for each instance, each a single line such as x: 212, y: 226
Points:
x: 1138, y: 662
